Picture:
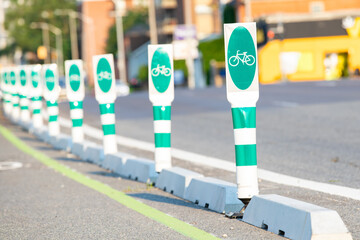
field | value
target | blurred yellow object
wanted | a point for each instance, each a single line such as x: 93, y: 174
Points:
x: 354, y: 31
x: 42, y: 52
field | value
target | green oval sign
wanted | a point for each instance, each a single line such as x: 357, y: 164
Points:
x: 35, y: 79
x: 104, y: 75
x: 74, y: 77
x: 241, y: 57
x: 12, y: 78
x: 22, y: 78
x: 50, y: 79
x: 161, y: 70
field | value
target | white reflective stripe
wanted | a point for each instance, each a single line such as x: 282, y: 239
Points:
x: 36, y: 105
x: 110, y: 144
x: 162, y: 158
x: 245, y: 136
x: 76, y: 113
x: 162, y: 126
x: 77, y: 134
x: 24, y: 101
x: 247, y: 181
x: 37, y: 120
x: 107, y: 119
x: 54, y: 128
x: 53, y: 111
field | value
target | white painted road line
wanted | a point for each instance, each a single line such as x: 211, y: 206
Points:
x: 225, y: 165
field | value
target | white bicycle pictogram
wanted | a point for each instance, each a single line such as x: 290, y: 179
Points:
x: 247, y: 59
x: 104, y: 75
x: 160, y: 70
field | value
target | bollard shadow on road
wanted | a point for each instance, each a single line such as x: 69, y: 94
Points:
x: 168, y: 200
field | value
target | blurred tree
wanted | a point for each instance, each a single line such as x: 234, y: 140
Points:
x: 21, y: 13
x: 138, y: 16
x: 229, y: 14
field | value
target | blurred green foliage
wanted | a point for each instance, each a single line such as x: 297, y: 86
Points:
x: 21, y: 13
x: 212, y: 50
x: 131, y: 19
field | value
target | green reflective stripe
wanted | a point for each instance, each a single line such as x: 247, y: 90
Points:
x: 24, y: 108
x: 22, y: 96
x: 7, y: 101
x: 244, y: 117
x: 76, y: 105
x: 53, y: 118
x: 162, y: 140
x: 162, y: 112
x: 77, y: 122
x: 107, y: 108
x: 16, y: 105
x: 51, y: 104
x: 36, y: 98
x: 36, y: 111
x: 109, y: 129
x: 246, y: 155
x: 15, y: 94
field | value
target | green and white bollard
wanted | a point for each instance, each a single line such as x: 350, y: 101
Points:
x: 161, y: 94
x: 242, y: 86
x: 53, y: 112
x: 105, y: 94
x: 36, y: 96
x: 15, y: 112
x: 6, y: 94
x: 24, y: 91
x: 75, y: 92
x: 51, y: 94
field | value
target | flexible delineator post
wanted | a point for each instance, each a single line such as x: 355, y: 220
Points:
x: 36, y: 105
x: 24, y: 109
x: 7, y: 103
x: 53, y: 112
x: 244, y: 124
x: 162, y: 135
x: 107, y: 112
x: 15, y: 113
x: 77, y: 115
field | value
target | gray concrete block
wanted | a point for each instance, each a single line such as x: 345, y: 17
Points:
x: 94, y: 153
x: 115, y: 161
x: 295, y: 219
x: 63, y: 142
x: 42, y: 134
x: 78, y: 149
x: 139, y: 169
x: 175, y: 180
x: 214, y: 194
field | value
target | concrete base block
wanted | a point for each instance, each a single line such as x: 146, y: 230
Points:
x: 42, y: 134
x: 295, y: 219
x: 175, y: 180
x: 214, y: 194
x: 63, y: 142
x: 139, y: 169
x: 94, y: 153
x: 115, y: 161
x: 78, y: 149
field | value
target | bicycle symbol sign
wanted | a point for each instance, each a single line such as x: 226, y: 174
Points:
x: 160, y: 70
x: 241, y: 57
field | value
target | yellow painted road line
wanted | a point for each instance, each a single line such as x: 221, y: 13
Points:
x: 130, y: 202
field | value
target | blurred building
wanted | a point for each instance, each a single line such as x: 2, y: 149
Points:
x: 308, y: 39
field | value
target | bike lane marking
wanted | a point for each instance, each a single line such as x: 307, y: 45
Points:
x: 129, y: 202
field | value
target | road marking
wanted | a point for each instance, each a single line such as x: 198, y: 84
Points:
x: 130, y: 202
x: 10, y: 165
x: 226, y: 165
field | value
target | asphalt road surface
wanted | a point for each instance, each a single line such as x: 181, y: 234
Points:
x: 305, y: 130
